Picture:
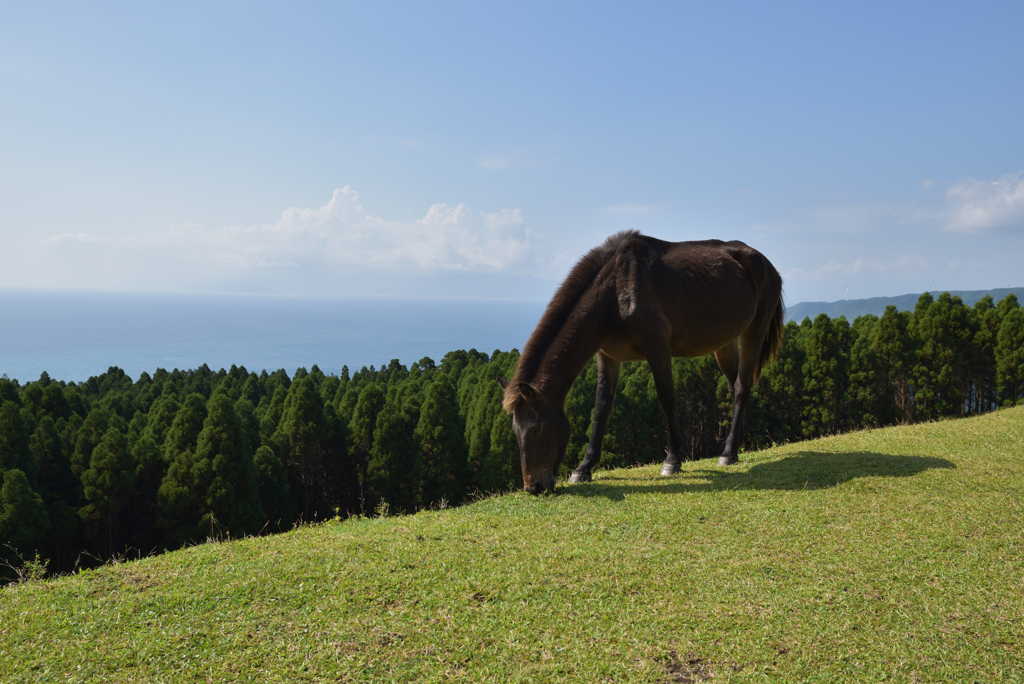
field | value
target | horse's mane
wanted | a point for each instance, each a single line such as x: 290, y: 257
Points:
x: 559, y: 309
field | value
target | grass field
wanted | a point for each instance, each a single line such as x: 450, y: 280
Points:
x: 889, y: 555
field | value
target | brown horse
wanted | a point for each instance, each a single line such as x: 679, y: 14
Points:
x: 636, y: 297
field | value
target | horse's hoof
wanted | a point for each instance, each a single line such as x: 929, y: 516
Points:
x: 725, y: 460
x: 580, y: 477
x: 669, y: 469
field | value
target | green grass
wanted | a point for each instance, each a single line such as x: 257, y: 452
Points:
x: 893, y: 555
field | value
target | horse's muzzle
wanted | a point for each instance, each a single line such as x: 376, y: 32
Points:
x: 541, y: 484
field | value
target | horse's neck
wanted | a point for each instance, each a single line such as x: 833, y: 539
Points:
x: 579, y: 339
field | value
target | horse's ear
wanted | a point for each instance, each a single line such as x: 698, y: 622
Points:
x: 502, y: 381
x: 527, y: 390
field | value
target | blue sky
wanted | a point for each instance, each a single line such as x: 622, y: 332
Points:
x: 439, y: 148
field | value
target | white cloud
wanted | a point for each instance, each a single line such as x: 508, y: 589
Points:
x: 976, y: 205
x: 446, y: 238
x: 506, y: 218
x: 967, y: 206
x: 958, y: 236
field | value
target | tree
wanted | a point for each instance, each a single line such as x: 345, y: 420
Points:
x: 441, y: 452
x: 89, y: 435
x: 1006, y: 305
x: 179, y: 498
x: 270, y: 415
x: 394, y: 373
x: 982, y: 390
x: 232, y: 495
x: 826, y: 374
x: 775, y: 415
x: 24, y: 524
x: 869, y: 395
x: 121, y: 404
x: 246, y: 413
x: 161, y: 417
x: 150, y: 470
x: 9, y: 390
x: 15, y: 451
x: 327, y: 386
x: 389, y: 471
x: 57, y: 484
x: 941, y: 369
x: 46, y: 398
x: 363, y: 425
x: 300, y: 437
x: 251, y: 389
x: 184, y: 431
x: 485, y: 407
x: 1010, y: 358
x: 108, y: 483
x: 345, y: 402
x: 275, y: 495
x: 313, y: 445
x: 500, y: 469
x: 895, y: 351
x: 213, y: 489
x: 78, y: 403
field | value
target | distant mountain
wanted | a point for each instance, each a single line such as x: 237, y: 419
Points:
x: 851, y: 308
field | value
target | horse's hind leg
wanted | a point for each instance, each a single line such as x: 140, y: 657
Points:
x: 661, y: 368
x: 607, y: 379
x: 728, y: 358
x: 739, y: 369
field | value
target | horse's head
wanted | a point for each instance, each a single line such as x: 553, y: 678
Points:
x: 543, y: 433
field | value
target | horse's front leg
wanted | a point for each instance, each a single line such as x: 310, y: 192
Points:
x: 660, y: 361
x: 607, y: 379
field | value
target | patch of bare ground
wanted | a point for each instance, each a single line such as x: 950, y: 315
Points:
x: 690, y: 671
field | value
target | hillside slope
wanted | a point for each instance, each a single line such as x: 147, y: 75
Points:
x: 889, y: 554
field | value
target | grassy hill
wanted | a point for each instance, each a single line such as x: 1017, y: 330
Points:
x: 894, y: 554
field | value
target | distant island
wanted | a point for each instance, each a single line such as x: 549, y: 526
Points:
x: 851, y: 308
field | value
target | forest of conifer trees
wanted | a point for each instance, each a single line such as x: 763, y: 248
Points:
x: 113, y: 467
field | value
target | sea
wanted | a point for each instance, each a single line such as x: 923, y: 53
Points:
x: 75, y: 335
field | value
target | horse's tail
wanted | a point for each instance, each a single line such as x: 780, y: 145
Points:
x: 773, y: 339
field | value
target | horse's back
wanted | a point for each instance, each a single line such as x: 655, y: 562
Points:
x: 707, y: 292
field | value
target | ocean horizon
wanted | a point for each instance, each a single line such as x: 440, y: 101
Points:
x: 73, y: 336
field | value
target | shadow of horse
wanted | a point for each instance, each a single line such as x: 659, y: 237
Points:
x: 803, y: 470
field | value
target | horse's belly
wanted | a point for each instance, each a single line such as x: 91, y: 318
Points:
x: 683, y: 343
x: 696, y: 332
x: 697, y: 347
x: 623, y: 350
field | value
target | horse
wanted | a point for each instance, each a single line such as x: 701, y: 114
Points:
x: 633, y: 298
